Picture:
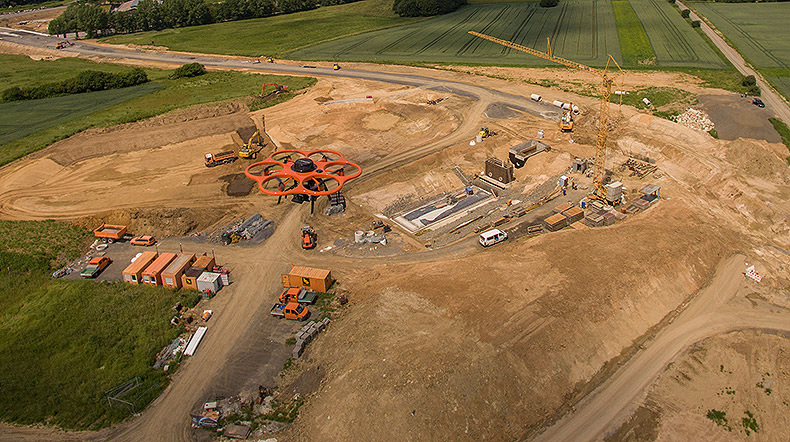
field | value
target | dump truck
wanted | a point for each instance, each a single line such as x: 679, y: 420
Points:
x: 109, y: 233
x: 95, y: 266
x: 215, y: 159
x: 290, y: 310
x: 298, y: 294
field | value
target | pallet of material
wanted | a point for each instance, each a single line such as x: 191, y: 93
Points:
x: 594, y: 220
x: 555, y: 222
x: 562, y: 207
x: 608, y: 218
x: 620, y: 216
x: 535, y: 228
x: 640, y: 203
x: 573, y: 214
x: 518, y: 211
x: 578, y: 225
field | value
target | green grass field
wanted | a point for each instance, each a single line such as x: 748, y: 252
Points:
x: 63, y: 344
x: 760, y: 32
x: 583, y: 31
x: 274, y: 36
x: 674, y: 41
x: 580, y: 30
x: 27, y: 126
x: 634, y: 44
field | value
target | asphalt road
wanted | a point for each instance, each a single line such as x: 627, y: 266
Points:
x: 771, y: 99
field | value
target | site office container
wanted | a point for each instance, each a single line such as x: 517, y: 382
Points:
x: 316, y: 279
x: 171, y: 276
x: 133, y: 274
x: 152, y: 275
x: 190, y: 276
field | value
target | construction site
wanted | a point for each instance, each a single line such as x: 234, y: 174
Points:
x: 452, y: 257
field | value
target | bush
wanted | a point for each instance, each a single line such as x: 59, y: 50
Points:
x: 418, y: 8
x: 749, y: 80
x: 753, y: 90
x: 85, y: 81
x: 695, y: 24
x: 685, y: 13
x: 671, y: 1
x: 188, y: 70
x: 549, y: 3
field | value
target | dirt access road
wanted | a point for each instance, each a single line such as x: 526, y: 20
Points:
x: 772, y: 100
x: 708, y: 315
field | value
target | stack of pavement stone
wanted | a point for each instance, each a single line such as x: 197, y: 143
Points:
x: 306, y: 334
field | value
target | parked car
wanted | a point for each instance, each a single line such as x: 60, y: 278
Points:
x: 758, y: 102
x: 95, y: 266
x: 492, y: 237
x: 144, y: 240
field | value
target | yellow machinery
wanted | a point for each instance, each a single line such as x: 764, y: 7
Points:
x: 251, y: 148
x: 599, y: 192
x: 566, y: 122
x: 336, y: 67
x: 486, y: 132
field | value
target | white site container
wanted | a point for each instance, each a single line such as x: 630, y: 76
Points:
x: 209, y: 281
x: 646, y: 101
x: 535, y: 97
x: 558, y: 103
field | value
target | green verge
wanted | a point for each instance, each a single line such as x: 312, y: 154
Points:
x: 32, y: 125
x: 635, y: 47
x: 64, y: 343
x: 274, y: 36
x: 784, y: 132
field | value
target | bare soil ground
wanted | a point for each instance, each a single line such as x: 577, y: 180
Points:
x: 451, y: 344
x: 732, y: 373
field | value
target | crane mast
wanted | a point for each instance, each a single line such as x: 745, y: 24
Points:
x: 599, y: 191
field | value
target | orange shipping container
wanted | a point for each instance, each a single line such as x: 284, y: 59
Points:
x: 171, y: 276
x: 316, y: 279
x: 153, y: 273
x: 134, y: 272
x: 190, y: 276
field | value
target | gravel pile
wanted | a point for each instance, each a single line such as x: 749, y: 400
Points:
x: 695, y: 119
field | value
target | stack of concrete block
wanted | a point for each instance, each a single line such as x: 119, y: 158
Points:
x: 306, y: 334
x: 640, y: 203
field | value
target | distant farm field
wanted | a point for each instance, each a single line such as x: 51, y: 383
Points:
x: 674, y: 41
x: 580, y: 30
x: 761, y: 31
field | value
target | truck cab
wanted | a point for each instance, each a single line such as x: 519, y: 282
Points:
x: 298, y: 294
x: 492, y: 237
x: 291, y: 310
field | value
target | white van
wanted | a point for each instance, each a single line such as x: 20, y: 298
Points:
x: 492, y: 237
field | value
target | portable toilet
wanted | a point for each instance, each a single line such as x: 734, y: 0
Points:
x: 209, y: 282
x: 133, y: 274
x: 171, y: 276
x: 153, y: 273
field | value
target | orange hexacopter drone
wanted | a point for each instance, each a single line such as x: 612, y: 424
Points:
x: 304, y: 174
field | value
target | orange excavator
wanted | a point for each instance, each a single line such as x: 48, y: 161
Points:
x: 278, y: 89
x: 309, y: 238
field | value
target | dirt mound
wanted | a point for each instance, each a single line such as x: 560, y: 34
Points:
x: 165, y: 222
x: 238, y: 184
x: 449, y: 352
x: 730, y: 374
x: 146, y: 134
x: 757, y: 159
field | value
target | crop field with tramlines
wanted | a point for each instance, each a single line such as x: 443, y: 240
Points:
x: 580, y: 30
x: 760, y: 32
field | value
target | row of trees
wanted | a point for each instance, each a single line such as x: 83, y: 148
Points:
x: 85, y: 81
x: 153, y: 15
x: 424, y: 8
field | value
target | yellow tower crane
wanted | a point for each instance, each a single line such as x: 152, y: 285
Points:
x: 599, y: 192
